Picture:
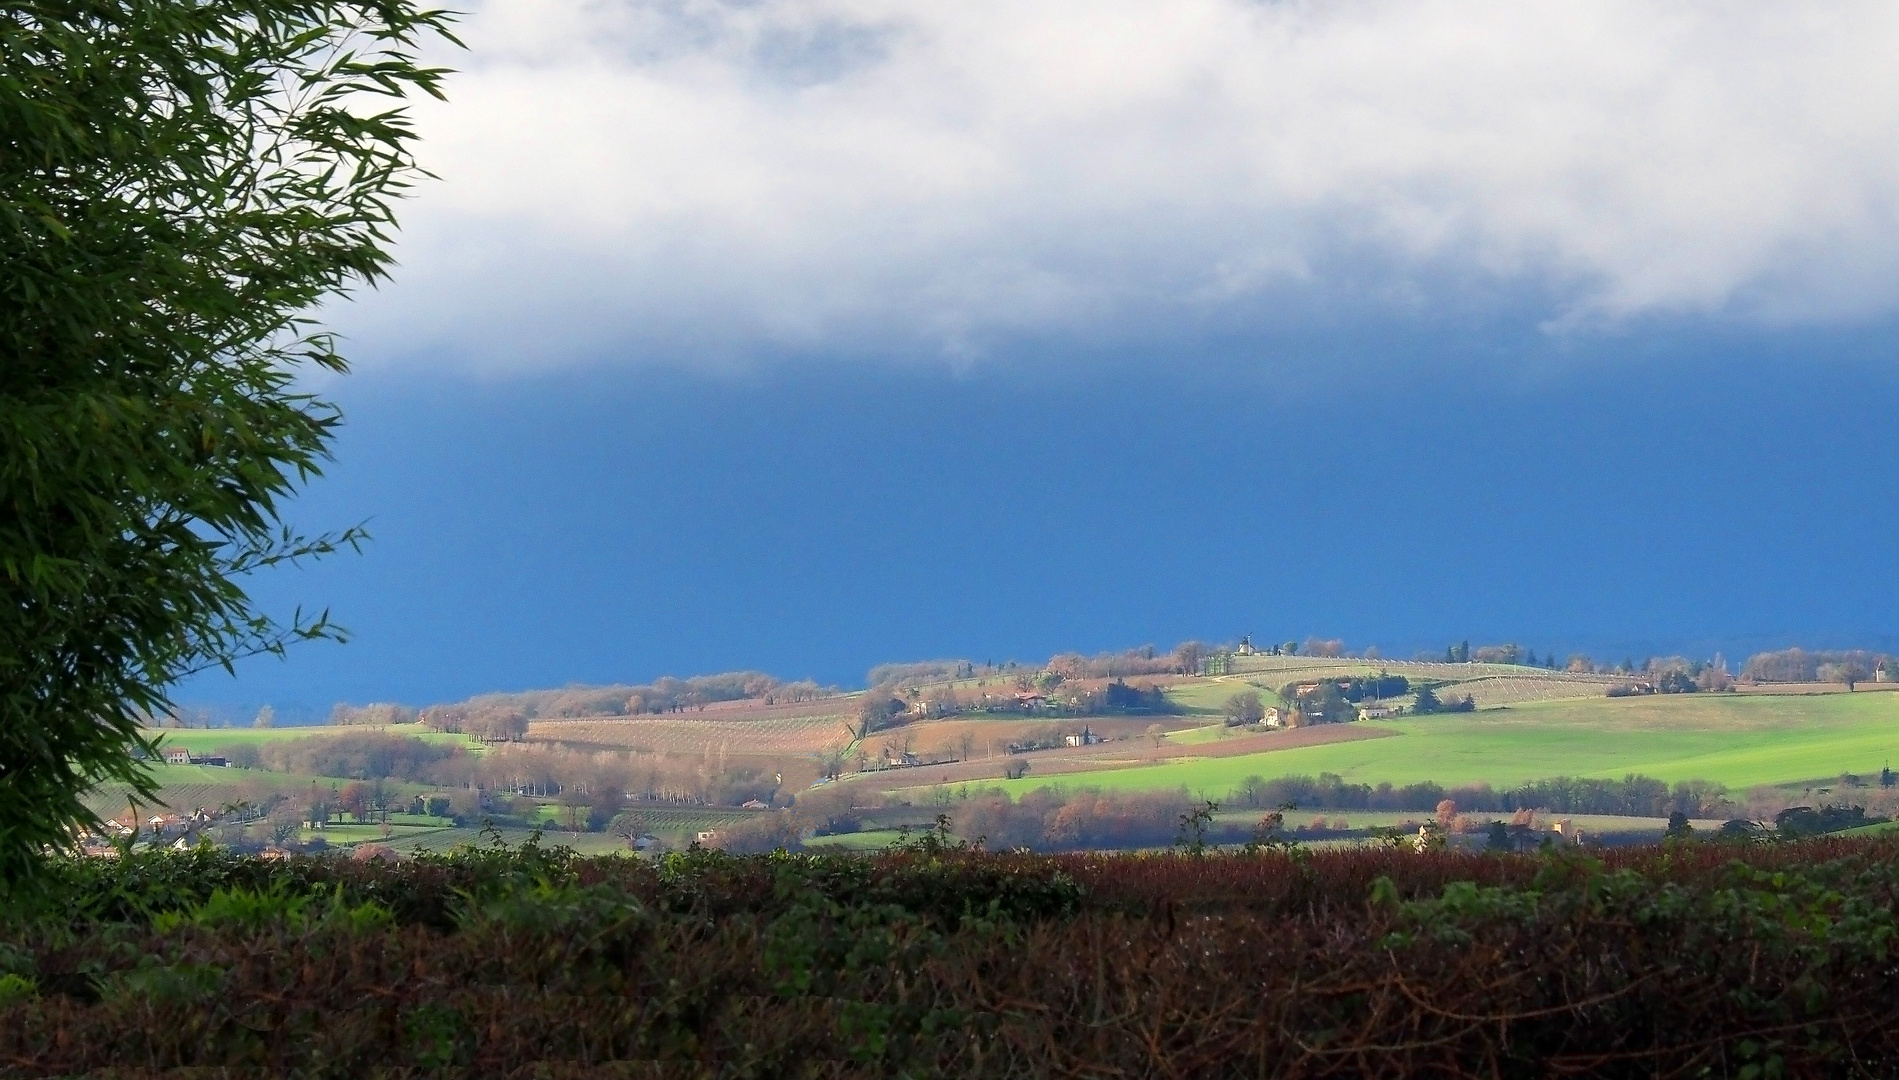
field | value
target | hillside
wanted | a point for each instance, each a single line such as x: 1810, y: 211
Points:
x: 608, y: 759
x: 1488, y: 684
x: 1736, y: 740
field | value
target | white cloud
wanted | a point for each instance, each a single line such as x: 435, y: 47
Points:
x: 697, y: 181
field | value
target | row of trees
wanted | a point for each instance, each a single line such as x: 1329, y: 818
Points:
x: 357, y: 755
x: 919, y: 672
x: 889, y: 705
x: 1048, y: 819
x: 1633, y: 796
x: 1785, y: 665
x: 1799, y: 665
x: 1428, y: 703
x: 491, y: 721
x: 1183, y: 659
x: 1507, y: 653
x: 598, y: 778
x: 664, y: 695
x: 381, y: 713
x: 1068, y: 667
x: 1679, y: 674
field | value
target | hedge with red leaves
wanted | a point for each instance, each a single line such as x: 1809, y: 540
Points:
x: 1700, y: 960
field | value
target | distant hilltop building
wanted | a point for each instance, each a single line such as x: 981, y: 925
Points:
x: 1246, y: 647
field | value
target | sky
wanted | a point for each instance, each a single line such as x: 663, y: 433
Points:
x: 807, y: 336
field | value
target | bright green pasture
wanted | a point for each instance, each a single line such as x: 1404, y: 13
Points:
x: 1737, y: 740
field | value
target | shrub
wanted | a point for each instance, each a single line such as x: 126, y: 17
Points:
x: 937, y: 960
x: 766, y: 832
x: 1244, y: 708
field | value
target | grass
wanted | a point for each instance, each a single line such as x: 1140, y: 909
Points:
x: 1738, y: 740
x: 428, y: 820
x: 1279, y: 670
x: 210, y: 740
x: 715, y: 733
x: 1195, y: 736
x: 1207, y: 697
x: 1490, y: 684
x: 1878, y: 829
x: 186, y: 787
x: 409, y: 841
x: 868, y: 840
x: 346, y: 834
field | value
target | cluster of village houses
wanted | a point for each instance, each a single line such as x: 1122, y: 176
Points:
x: 182, y: 830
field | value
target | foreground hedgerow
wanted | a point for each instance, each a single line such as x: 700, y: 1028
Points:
x: 1693, y: 960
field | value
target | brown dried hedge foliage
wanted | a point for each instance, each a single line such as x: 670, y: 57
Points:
x: 1693, y: 960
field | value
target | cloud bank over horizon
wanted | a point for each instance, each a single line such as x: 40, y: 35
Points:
x: 712, y: 183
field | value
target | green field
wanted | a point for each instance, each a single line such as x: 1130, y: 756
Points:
x: 1205, y: 733
x: 183, y: 788
x: 409, y: 841
x: 1880, y: 829
x: 1207, y: 697
x: 1737, y: 740
x: 210, y: 740
x: 868, y: 840
x: 1489, y: 684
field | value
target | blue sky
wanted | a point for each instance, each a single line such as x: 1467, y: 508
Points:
x: 805, y: 337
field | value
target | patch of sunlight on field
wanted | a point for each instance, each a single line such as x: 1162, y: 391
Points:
x: 1737, y: 740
